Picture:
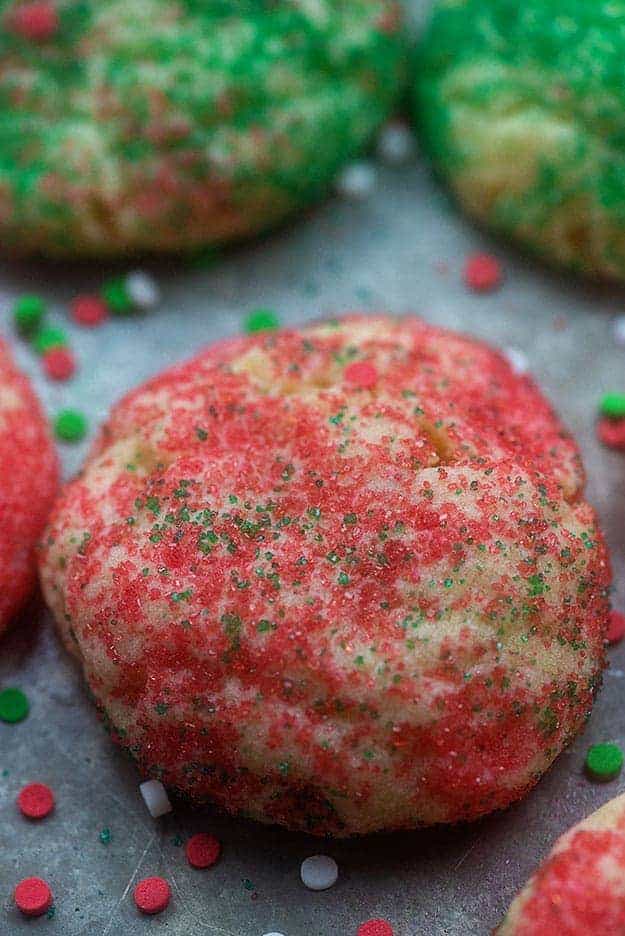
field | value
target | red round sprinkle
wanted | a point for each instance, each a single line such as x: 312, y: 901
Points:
x: 611, y: 432
x: 59, y: 363
x: 89, y: 311
x: 36, y: 800
x: 203, y: 850
x: 375, y: 928
x: 361, y: 374
x: 482, y: 273
x: 152, y: 895
x: 616, y: 627
x: 37, y: 21
x: 33, y: 896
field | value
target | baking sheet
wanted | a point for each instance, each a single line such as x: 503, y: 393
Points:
x: 402, y: 250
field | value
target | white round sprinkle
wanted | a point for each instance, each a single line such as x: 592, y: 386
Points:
x: 618, y: 329
x: 319, y: 872
x: 155, y: 798
x: 143, y: 289
x: 357, y: 181
x: 395, y: 144
x: 518, y: 360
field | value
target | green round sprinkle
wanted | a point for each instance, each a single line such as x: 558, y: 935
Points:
x: 604, y: 761
x: 261, y: 320
x: 117, y: 297
x: 70, y: 426
x: 613, y: 405
x: 105, y: 836
x: 28, y: 313
x: 14, y: 706
x: 47, y: 338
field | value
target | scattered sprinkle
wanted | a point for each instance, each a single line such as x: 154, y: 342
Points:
x: 89, y: 311
x: 36, y: 21
x: 517, y: 359
x: 616, y: 627
x: 611, y: 432
x: 50, y: 337
x: 483, y: 273
x: 618, y: 329
x: 361, y: 374
x: 116, y: 296
x: 70, y: 425
x: 152, y: 895
x: 604, y: 761
x: 28, y: 313
x: 33, y: 896
x: 396, y: 143
x: 357, y: 181
x: 261, y: 320
x: 319, y: 872
x: 613, y: 405
x: 142, y: 289
x: 59, y: 363
x: 155, y: 798
x: 14, y: 706
x: 203, y: 850
x: 375, y: 928
x: 105, y: 836
x: 35, y: 801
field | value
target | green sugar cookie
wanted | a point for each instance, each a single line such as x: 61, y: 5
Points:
x: 158, y: 125
x: 521, y: 107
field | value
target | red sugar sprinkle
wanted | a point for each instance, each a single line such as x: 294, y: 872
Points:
x: 152, y: 895
x: 37, y: 21
x: 59, y: 363
x: 375, y: 928
x: 36, y: 801
x: 361, y: 374
x: 483, y: 273
x: 33, y: 896
x: 89, y: 311
x: 616, y: 627
x: 203, y: 850
x: 611, y: 432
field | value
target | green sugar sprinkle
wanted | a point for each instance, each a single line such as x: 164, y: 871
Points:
x: 261, y: 320
x: 105, y: 836
x: 613, y: 405
x: 70, y: 426
x: 14, y: 706
x: 28, y: 313
x: 50, y: 337
x: 604, y: 761
x: 117, y: 297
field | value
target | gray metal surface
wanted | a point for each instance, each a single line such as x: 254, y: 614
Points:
x: 402, y: 250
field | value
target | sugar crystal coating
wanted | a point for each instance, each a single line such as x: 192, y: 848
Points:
x: 173, y: 125
x: 578, y: 890
x: 521, y: 108
x: 28, y: 480
x: 336, y: 608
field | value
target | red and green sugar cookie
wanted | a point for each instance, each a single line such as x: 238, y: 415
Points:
x: 350, y: 566
x: 578, y: 890
x: 28, y: 482
x: 174, y: 126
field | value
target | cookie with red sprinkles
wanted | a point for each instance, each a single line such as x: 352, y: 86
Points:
x: 28, y: 481
x: 166, y: 126
x: 341, y: 578
x: 578, y: 890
